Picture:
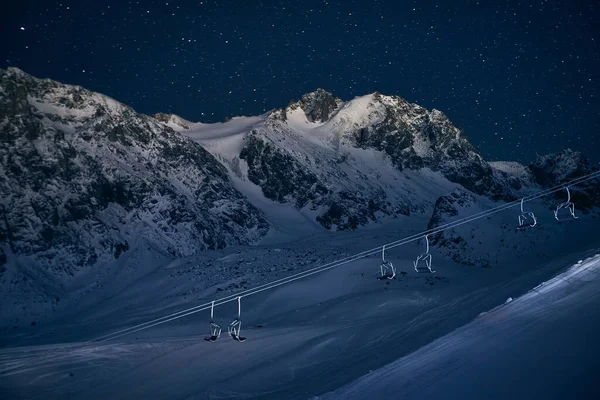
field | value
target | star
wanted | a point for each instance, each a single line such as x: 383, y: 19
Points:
x: 163, y: 55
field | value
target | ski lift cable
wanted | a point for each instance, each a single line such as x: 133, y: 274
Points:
x: 343, y: 261
x: 322, y: 268
x: 340, y: 262
x: 284, y: 280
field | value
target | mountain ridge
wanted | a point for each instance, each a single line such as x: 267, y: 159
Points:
x: 69, y: 155
x: 89, y: 182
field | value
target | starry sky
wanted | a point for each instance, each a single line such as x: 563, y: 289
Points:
x: 520, y: 77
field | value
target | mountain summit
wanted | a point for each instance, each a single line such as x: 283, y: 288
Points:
x: 318, y: 105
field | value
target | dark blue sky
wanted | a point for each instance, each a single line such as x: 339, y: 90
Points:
x: 520, y: 77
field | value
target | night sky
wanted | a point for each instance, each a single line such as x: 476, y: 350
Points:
x: 520, y: 77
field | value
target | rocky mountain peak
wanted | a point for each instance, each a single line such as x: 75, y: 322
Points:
x: 172, y: 119
x: 23, y: 94
x: 555, y: 168
x: 14, y: 71
x: 318, y: 105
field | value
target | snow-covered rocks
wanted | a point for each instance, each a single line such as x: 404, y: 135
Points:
x: 173, y: 120
x: 85, y: 179
x: 349, y: 164
x: 555, y: 169
x: 317, y: 106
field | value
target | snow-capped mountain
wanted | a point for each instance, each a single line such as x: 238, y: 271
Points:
x: 85, y: 179
x: 348, y: 164
x: 104, y: 212
x: 411, y: 136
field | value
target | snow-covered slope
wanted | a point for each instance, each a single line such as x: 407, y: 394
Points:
x: 305, y: 338
x: 340, y: 188
x: 536, y: 346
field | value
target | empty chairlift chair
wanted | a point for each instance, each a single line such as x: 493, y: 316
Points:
x: 235, y: 327
x: 426, y: 257
x: 568, y: 205
x: 527, y: 219
x: 387, y: 268
x: 215, y: 329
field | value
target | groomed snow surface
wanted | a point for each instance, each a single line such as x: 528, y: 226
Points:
x: 543, y: 345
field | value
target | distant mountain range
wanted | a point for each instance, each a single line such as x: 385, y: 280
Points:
x: 85, y: 179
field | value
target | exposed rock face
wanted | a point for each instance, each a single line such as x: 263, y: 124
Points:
x: 281, y: 177
x: 555, y: 169
x: 84, y: 178
x: 318, y: 105
x: 448, y: 206
x: 316, y: 184
x: 307, y: 176
x: 416, y: 138
x: 312, y: 154
x: 514, y: 176
x: 288, y: 169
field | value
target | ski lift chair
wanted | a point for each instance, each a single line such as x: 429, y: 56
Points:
x: 387, y: 268
x: 527, y: 219
x: 236, y: 326
x: 569, y: 205
x: 426, y: 257
x: 215, y: 329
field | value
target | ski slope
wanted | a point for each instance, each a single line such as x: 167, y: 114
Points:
x: 541, y: 345
x: 304, y: 339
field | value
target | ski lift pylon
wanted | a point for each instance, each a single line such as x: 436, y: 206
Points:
x: 236, y: 326
x: 525, y: 217
x: 215, y: 329
x: 387, y: 268
x: 424, y: 257
x: 569, y: 205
